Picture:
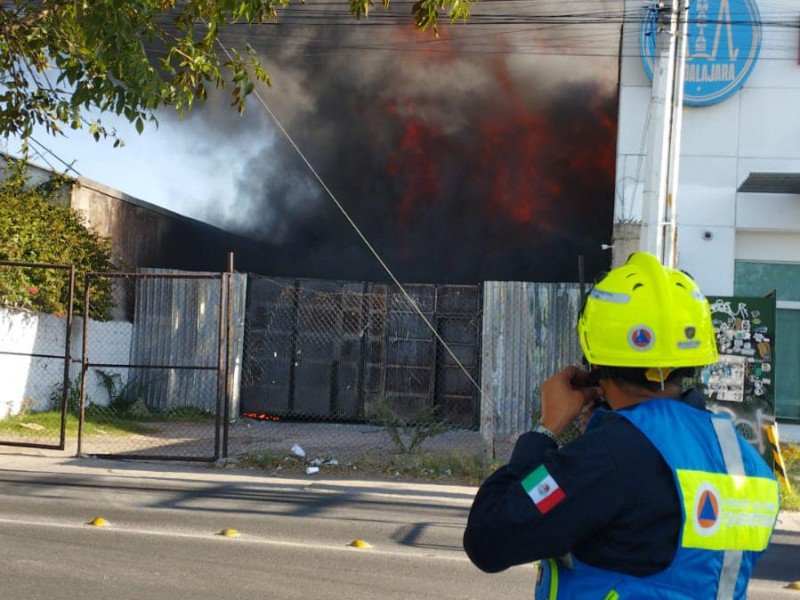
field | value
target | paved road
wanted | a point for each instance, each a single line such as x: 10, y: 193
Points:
x: 162, y: 542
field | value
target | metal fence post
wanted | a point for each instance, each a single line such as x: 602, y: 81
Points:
x: 228, y: 304
x: 221, y: 393
x: 67, y: 358
x: 84, y: 362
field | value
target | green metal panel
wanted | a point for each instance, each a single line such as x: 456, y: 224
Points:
x: 756, y: 278
x: 787, y: 348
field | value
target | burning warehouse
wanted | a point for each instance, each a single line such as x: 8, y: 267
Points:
x: 487, y: 153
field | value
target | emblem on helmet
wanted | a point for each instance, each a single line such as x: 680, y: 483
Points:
x: 641, y: 337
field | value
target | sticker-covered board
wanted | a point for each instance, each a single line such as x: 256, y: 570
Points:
x: 742, y: 383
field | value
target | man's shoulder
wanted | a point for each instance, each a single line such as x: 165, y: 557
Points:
x: 606, y: 420
x: 619, y: 437
x: 611, y: 429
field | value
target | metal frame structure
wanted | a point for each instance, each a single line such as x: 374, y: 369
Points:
x: 70, y: 269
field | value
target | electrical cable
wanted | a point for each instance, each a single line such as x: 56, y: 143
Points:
x: 356, y: 228
x: 68, y: 166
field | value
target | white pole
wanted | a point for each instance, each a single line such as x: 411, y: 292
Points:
x: 670, y: 256
x: 658, y: 136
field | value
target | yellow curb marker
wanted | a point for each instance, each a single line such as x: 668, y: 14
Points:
x: 360, y: 544
x: 98, y: 522
x: 229, y: 533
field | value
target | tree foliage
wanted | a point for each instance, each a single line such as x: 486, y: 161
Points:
x: 36, y: 228
x: 60, y: 59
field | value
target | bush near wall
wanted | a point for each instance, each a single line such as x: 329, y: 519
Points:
x: 35, y: 228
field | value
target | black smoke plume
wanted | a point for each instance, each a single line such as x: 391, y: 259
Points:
x: 472, y: 157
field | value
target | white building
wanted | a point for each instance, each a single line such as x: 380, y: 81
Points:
x: 738, y: 197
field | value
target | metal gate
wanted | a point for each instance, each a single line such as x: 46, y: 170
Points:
x: 154, y: 383
x: 35, y: 356
x: 326, y: 350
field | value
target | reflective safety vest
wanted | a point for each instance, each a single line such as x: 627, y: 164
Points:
x: 729, y: 502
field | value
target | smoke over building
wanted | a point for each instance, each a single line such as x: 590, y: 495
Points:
x: 476, y: 156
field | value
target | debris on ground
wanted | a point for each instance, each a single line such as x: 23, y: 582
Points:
x: 298, y: 451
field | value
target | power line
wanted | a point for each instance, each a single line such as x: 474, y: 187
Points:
x: 358, y: 231
x: 68, y: 166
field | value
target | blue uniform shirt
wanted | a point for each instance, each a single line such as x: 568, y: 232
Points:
x: 620, y: 509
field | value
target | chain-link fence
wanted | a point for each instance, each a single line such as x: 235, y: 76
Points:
x: 35, y: 353
x: 348, y: 369
x: 167, y: 367
x: 155, y: 385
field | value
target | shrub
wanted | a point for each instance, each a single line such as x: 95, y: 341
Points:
x: 36, y: 228
x: 408, y: 434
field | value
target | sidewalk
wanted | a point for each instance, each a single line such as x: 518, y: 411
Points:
x: 63, y: 463
x: 60, y: 462
x: 788, y: 522
x: 789, y: 433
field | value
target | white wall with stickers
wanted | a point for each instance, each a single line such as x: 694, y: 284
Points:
x: 731, y: 241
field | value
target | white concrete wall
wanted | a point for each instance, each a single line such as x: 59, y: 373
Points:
x: 25, y: 378
x: 755, y: 130
x: 33, y: 380
x: 110, y: 343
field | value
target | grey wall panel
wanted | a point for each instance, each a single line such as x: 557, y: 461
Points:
x: 176, y: 324
x: 528, y: 334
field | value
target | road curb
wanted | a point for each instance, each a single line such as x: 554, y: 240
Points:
x: 42, y: 461
x: 210, y: 474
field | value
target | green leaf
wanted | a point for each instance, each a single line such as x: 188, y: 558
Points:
x: 36, y: 228
x: 133, y: 58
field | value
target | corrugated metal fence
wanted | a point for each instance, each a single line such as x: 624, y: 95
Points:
x: 529, y: 333
x: 176, y: 324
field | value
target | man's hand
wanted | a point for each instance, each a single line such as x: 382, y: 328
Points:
x: 562, y: 397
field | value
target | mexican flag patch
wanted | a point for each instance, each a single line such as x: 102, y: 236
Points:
x: 543, y: 489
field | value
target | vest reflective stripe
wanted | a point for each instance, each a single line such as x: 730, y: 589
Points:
x: 547, y: 580
x: 553, y: 578
x: 732, y: 455
x: 731, y: 452
x: 731, y: 563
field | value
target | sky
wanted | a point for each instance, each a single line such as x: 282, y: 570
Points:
x: 172, y: 164
x: 468, y: 157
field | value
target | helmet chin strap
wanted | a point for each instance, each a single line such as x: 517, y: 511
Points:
x: 658, y: 375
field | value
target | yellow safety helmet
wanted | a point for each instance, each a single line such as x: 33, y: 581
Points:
x: 643, y: 314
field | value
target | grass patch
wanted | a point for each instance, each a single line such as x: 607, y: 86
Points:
x: 457, y: 468
x: 48, y: 424
x: 186, y: 414
x: 790, y: 498
x: 99, y: 420
x: 176, y: 414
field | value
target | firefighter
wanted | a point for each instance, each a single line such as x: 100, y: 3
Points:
x: 658, y: 498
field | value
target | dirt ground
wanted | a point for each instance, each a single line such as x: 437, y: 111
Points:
x: 197, y: 441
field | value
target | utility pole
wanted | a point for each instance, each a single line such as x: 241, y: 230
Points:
x: 660, y: 221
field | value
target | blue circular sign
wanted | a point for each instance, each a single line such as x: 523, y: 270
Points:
x: 724, y: 38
